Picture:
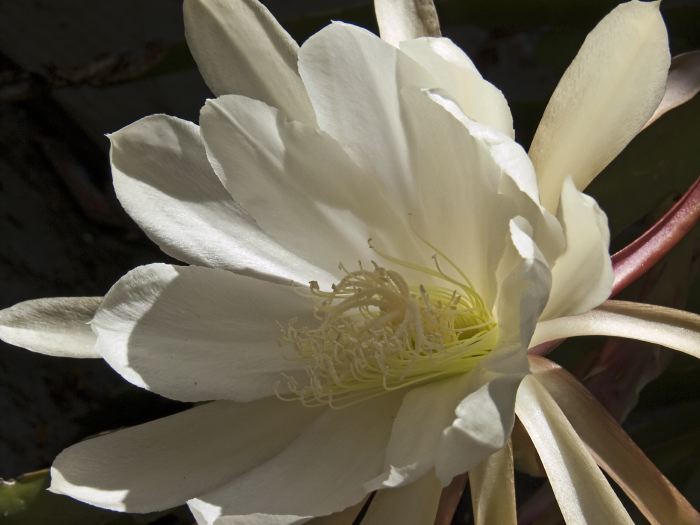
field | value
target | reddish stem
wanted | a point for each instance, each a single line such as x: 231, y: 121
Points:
x: 449, y: 500
x: 635, y: 259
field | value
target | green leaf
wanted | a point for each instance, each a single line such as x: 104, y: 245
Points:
x: 17, y: 495
x: 25, y: 501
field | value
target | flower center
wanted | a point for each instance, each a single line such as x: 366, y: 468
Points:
x: 377, y: 334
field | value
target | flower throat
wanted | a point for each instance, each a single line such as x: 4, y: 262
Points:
x: 377, y: 334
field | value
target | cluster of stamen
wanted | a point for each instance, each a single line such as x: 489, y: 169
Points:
x: 375, y: 333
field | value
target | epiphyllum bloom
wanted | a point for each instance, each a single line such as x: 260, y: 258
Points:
x: 368, y: 259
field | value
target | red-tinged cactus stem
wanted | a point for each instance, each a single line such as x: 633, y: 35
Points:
x: 543, y: 349
x: 635, y: 259
x: 449, y: 500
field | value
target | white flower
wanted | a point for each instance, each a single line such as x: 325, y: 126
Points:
x: 391, y: 173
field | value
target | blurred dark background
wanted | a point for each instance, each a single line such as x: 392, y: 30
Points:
x: 73, y: 70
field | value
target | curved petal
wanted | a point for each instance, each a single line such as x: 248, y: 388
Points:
x: 483, y: 422
x: 547, y: 231
x: 492, y: 485
x: 455, y: 74
x: 603, y: 100
x: 456, y: 181
x: 405, y: 145
x: 164, y: 181
x: 615, y: 452
x: 321, y: 472
x: 683, y: 84
x: 350, y: 75
x: 582, y: 277
x: 485, y: 416
x: 659, y: 325
x: 400, y: 20
x: 299, y: 183
x: 414, y: 504
x: 426, y: 411
x: 163, y: 463
x: 240, y: 48
x: 506, y: 169
x: 524, y: 281
x: 583, y: 493
x: 196, y: 334
x: 57, y: 326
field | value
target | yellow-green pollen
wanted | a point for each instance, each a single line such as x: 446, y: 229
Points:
x: 377, y: 334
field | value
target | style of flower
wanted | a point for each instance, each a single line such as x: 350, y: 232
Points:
x: 370, y: 253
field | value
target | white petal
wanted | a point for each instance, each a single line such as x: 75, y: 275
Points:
x: 414, y: 504
x: 57, y: 326
x: 457, y: 205
x: 485, y: 416
x: 240, y: 48
x: 350, y: 75
x: 604, y: 98
x: 507, y: 154
x: 524, y: 281
x: 164, y: 181
x: 298, y: 183
x: 196, y: 334
x: 547, y: 232
x: 615, y: 452
x: 484, y: 420
x: 508, y: 166
x: 401, y: 20
x: 583, y: 493
x: 455, y: 74
x: 582, y: 277
x: 321, y: 472
x: 162, y: 463
x: 355, y: 82
x: 426, y: 411
x: 645, y: 322
x: 492, y: 487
